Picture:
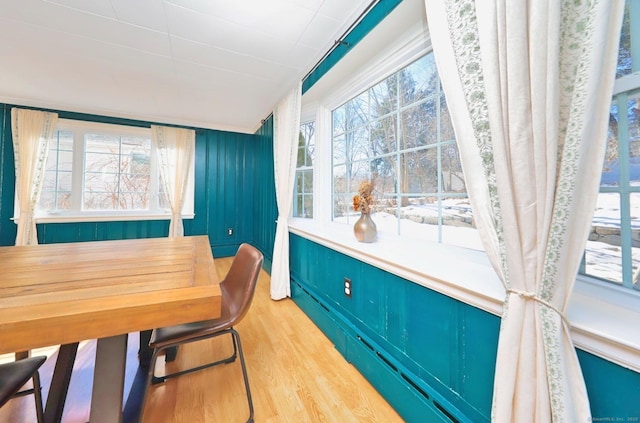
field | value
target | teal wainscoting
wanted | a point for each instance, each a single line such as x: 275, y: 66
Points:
x: 265, y: 211
x: 432, y: 357
x: 224, y: 180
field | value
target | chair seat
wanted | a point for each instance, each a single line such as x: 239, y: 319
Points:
x: 179, y: 333
x: 15, y: 374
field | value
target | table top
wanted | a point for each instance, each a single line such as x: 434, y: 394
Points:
x: 55, y: 294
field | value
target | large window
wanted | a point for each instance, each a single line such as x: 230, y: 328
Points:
x: 613, y: 250
x: 398, y: 134
x: 105, y: 171
x: 303, y: 188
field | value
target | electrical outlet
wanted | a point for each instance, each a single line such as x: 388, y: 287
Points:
x: 230, y: 231
x: 348, y: 287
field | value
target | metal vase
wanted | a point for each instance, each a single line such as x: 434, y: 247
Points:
x: 365, y: 229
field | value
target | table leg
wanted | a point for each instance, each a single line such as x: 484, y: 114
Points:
x: 60, y: 383
x: 108, y: 380
x: 144, y: 352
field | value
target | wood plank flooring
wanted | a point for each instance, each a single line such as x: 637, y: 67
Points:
x: 295, y: 374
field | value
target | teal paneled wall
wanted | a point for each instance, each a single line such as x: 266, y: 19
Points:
x: 265, y: 210
x: 440, y: 350
x: 7, y: 180
x: 225, y: 165
x: 224, y: 181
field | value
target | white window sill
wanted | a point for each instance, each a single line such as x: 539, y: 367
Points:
x: 102, y: 217
x: 602, y: 317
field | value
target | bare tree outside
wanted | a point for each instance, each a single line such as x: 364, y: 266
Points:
x: 117, y: 173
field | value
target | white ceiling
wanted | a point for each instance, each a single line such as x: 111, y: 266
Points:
x: 220, y: 64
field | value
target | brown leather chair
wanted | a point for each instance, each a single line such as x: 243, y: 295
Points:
x: 237, y: 293
x: 15, y: 374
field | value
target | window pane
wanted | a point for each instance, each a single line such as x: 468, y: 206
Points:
x: 357, y: 111
x: 56, y: 185
x: 419, y: 125
x: 339, y: 149
x: 603, y: 257
x: 117, y: 172
x: 625, y: 60
x: 452, y: 176
x: 303, y: 205
x: 418, y: 80
x: 303, y: 188
x: 341, y: 200
x: 420, y: 171
x: 611, y: 167
x: 358, y: 145
x: 385, y: 178
x: 384, y: 97
x: 306, y: 144
x: 384, y: 135
x: 633, y: 116
x: 446, y: 127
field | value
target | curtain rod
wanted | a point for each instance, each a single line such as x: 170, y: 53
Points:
x: 337, y: 43
x: 341, y: 41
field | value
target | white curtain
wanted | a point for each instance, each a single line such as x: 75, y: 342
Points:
x: 175, y: 148
x: 529, y: 84
x: 286, y: 130
x: 31, y: 131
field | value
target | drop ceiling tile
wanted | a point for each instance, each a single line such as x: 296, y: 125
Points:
x: 97, y: 7
x: 344, y: 11
x: 190, y: 24
x: 316, y: 33
x: 149, y: 14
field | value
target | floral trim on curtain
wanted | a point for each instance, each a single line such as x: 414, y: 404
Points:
x: 528, y: 84
x: 32, y: 130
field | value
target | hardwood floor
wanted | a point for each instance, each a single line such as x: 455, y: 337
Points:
x: 295, y: 375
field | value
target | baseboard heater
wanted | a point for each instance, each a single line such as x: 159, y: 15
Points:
x: 448, y: 412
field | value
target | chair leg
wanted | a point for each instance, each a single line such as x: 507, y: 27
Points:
x: 159, y: 379
x: 237, y: 350
x: 236, y: 338
x: 37, y: 394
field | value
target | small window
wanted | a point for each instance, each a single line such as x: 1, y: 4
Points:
x: 303, y: 189
x: 103, y: 171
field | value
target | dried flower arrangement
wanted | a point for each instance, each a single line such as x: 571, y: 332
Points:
x: 363, y: 201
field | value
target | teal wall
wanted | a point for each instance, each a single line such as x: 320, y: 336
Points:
x: 265, y: 210
x: 432, y: 357
x: 225, y: 174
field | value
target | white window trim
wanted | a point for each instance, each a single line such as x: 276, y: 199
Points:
x: 102, y: 215
x: 602, y: 315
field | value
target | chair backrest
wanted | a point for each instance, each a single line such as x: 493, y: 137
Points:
x: 239, y: 285
x: 14, y: 374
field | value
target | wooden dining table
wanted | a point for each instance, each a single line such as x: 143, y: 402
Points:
x: 61, y: 294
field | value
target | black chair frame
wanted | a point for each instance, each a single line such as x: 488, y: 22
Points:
x: 237, y: 350
x: 36, y: 388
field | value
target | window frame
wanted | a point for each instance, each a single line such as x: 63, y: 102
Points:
x: 444, y: 233
x: 79, y: 128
